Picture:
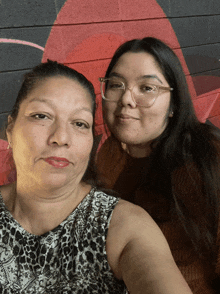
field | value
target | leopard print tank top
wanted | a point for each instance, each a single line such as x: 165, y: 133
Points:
x: 69, y: 259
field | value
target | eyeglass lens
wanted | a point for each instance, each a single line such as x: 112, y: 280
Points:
x: 143, y: 92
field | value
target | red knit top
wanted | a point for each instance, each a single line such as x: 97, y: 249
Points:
x: 123, y: 173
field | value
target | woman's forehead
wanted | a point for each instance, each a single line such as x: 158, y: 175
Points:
x: 137, y: 66
x: 60, y: 91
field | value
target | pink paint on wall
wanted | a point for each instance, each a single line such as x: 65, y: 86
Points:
x: 20, y: 42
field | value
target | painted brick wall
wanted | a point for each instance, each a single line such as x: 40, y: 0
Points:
x: 84, y: 34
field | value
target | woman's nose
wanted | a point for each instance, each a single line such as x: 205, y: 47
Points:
x: 60, y: 135
x: 127, y: 99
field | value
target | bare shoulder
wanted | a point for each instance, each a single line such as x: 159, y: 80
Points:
x: 130, y: 213
x: 131, y: 222
x: 6, y: 190
x: 128, y: 217
x: 139, y: 254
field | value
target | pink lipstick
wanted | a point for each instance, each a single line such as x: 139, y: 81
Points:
x: 58, y: 162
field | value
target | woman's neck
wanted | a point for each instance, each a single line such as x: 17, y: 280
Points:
x: 138, y: 151
x: 39, y: 212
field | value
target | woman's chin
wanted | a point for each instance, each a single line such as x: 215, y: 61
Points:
x: 127, y: 139
x: 54, y: 181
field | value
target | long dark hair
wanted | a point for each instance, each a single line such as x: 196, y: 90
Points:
x: 51, y: 69
x: 184, y: 141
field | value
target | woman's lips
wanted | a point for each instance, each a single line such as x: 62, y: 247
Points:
x: 58, y: 162
x: 125, y: 117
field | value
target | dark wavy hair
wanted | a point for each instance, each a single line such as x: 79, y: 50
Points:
x: 51, y: 69
x: 184, y: 140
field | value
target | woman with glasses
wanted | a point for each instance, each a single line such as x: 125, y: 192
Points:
x: 161, y: 157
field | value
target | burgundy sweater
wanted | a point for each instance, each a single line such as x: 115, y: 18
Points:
x: 123, y: 174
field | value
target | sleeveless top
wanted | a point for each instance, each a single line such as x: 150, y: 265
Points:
x: 69, y: 259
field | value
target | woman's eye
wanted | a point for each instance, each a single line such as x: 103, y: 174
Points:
x: 115, y: 85
x: 81, y: 125
x: 39, y: 116
x: 147, y: 88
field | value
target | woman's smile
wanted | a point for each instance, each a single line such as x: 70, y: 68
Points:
x: 124, y: 118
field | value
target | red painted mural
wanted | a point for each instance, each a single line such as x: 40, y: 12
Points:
x: 88, y: 47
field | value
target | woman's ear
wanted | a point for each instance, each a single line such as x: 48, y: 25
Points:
x: 171, y: 113
x: 9, y: 128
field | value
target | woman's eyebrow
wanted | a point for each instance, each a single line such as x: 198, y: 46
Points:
x: 117, y: 75
x: 151, y: 77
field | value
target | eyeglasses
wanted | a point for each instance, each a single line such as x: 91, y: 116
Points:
x: 143, y: 93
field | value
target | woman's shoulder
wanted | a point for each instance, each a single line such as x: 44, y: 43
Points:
x: 130, y: 217
x: 126, y: 210
x: 132, y: 225
x: 6, y: 196
x: 6, y: 190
